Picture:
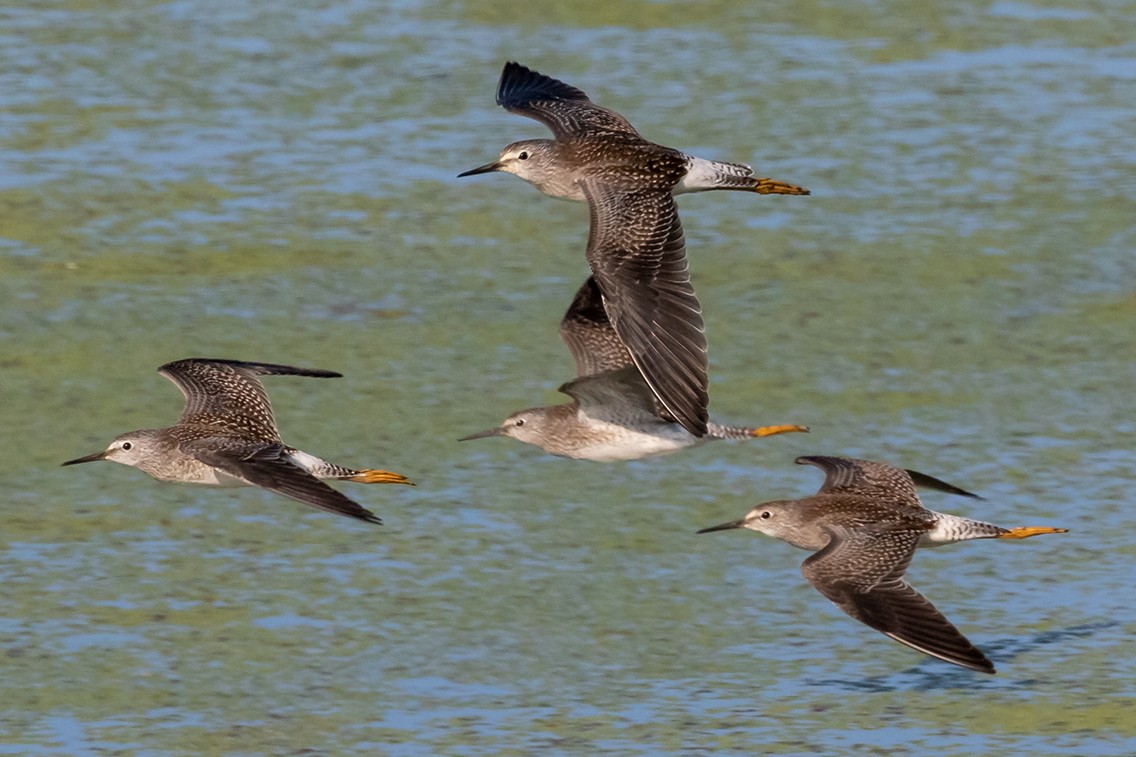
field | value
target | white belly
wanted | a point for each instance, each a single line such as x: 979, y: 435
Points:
x: 621, y: 443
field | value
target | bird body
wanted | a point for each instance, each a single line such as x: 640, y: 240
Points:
x: 227, y: 436
x: 863, y: 528
x: 569, y: 430
x: 636, y: 248
x: 595, y: 142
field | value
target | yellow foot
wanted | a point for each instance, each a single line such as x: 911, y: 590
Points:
x: 774, y: 187
x: 370, y: 476
x: 1025, y: 532
x: 784, y: 428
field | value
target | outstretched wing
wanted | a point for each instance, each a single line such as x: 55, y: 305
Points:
x: 269, y: 467
x: 228, y: 395
x: 847, y: 475
x: 861, y: 572
x: 637, y: 254
x: 562, y: 108
x: 867, y: 477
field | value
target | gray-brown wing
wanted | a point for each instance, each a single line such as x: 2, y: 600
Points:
x: 620, y: 397
x: 227, y: 395
x: 562, y: 108
x: 590, y: 337
x: 847, y: 474
x: 268, y: 466
x: 637, y: 254
x: 861, y: 572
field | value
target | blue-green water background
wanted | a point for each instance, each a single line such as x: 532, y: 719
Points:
x: 276, y: 182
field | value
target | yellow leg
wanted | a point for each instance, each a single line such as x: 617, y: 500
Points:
x: 1025, y: 532
x: 774, y: 187
x: 370, y: 476
x: 784, y: 428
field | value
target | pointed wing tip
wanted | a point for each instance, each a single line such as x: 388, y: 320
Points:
x: 971, y: 659
x: 519, y: 84
x: 173, y: 367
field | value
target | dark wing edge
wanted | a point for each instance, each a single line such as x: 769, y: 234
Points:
x: 930, y: 482
x: 561, y: 107
x: 519, y: 84
x: 176, y: 368
x: 637, y: 253
x: 269, y: 468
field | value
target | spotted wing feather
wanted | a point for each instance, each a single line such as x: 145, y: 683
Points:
x: 861, y: 572
x: 867, y: 477
x: 846, y: 475
x: 228, y: 395
x: 588, y: 332
x: 637, y: 254
x: 559, y: 106
x: 924, y: 481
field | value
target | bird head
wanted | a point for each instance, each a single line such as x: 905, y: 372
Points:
x: 133, y: 449
x: 523, y: 425
x: 767, y: 518
x: 529, y: 159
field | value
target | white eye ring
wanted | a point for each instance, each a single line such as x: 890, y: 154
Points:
x: 519, y: 422
x: 127, y: 445
x: 524, y: 155
x: 766, y: 515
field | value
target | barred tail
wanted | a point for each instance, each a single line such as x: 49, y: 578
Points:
x: 717, y: 431
x: 705, y: 175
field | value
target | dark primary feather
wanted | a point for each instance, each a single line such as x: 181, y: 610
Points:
x: 267, y: 466
x: 861, y: 572
x: 227, y: 394
x: 589, y: 335
x: 637, y: 254
x: 562, y: 108
x: 930, y: 482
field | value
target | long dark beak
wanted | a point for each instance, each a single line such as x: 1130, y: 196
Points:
x: 483, y: 434
x: 739, y: 523
x: 487, y: 168
x: 88, y: 458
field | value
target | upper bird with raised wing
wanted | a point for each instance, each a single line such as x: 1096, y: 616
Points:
x: 636, y: 247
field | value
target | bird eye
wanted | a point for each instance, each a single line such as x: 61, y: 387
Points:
x: 766, y: 515
x: 519, y: 422
x: 524, y: 155
x: 127, y: 445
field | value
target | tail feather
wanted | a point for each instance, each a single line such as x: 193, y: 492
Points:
x: 705, y: 175
x: 718, y: 431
